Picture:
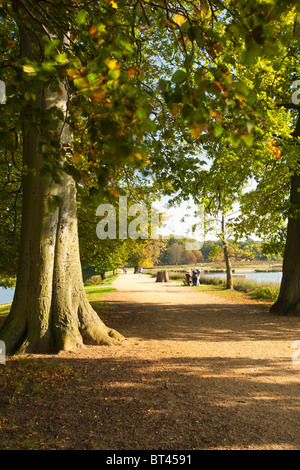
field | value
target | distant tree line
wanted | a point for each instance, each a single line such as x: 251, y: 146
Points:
x: 176, y: 254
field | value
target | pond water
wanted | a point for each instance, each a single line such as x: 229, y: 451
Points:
x: 260, y: 277
x: 6, y: 295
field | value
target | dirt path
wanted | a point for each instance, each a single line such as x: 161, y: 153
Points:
x: 195, y: 372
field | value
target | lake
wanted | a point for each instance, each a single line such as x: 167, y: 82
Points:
x: 6, y: 295
x: 260, y: 277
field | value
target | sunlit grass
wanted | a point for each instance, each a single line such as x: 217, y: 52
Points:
x: 4, y: 309
x: 266, y: 291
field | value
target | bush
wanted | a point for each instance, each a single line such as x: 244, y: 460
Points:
x: 267, y: 293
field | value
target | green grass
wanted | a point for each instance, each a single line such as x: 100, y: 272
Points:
x: 4, y: 309
x: 266, y: 291
x: 95, y: 293
x: 97, y: 281
x: 98, y: 289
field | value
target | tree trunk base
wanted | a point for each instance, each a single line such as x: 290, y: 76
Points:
x: 81, y: 328
x: 162, y: 276
x: 285, y: 309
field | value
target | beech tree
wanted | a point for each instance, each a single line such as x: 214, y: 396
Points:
x: 56, y: 55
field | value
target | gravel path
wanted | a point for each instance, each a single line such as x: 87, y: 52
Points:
x: 197, y: 371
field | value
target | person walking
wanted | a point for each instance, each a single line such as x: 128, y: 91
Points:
x: 194, y: 276
x: 197, y: 276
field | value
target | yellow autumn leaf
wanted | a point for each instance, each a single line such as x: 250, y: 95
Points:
x: 28, y: 69
x: 112, y: 64
x: 113, y: 4
x: 174, y: 110
x: 179, y: 19
x: 76, y: 158
x: 215, y: 114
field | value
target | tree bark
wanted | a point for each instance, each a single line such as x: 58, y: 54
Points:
x: 229, y: 277
x: 288, y: 302
x: 162, y: 276
x: 50, y: 310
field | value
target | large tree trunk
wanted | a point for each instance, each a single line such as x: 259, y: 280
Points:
x: 288, y: 302
x: 50, y: 310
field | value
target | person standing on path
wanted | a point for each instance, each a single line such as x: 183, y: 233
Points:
x: 197, y: 276
x: 194, y: 276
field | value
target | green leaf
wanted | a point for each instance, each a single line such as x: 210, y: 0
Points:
x: 248, y: 139
x: 54, y: 85
x: 251, y: 54
x: 195, y: 32
x: 92, y: 77
x: 140, y: 113
x: 218, y: 130
x: 179, y: 77
x: 51, y: 47
x: 81, y: 16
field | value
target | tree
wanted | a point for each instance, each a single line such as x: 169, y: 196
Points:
x: 216, y: 253
x: 254, y: 112
x: 144, y: 253
x: 192, y: 257
x: 274, y: 203
x: 175, y: 254
x: 50, y: 310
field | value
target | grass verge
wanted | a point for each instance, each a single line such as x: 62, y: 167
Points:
x: 264, y: 291
x: 97, y: 280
